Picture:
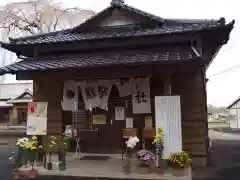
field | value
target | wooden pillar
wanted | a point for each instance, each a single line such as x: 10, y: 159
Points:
x: 167, y: 86
x: 51, y: 92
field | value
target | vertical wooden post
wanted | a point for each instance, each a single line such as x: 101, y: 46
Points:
x: 167, y: 86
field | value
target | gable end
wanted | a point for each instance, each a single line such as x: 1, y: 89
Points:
x: 119, y: 14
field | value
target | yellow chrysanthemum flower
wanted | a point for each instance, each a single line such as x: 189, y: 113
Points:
x: 34, y: 138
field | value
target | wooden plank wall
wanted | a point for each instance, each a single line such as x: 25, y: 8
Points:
x: 193, y: 103
x: 188, y: 86
x: 51, y: 92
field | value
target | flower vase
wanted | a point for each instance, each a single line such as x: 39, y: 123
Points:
x: 24, y: 174
x: 45, y: 161
x: 160, y: 171
x: 62, y: 155
x: 179, y: 172
x: 127, y: 165
x: 15, y: 174
x: 144, y: 169
x: 49, y: 163
x: 126, y: 169
x: 40, y: 157
x: 62, y: 160
x: 32, y: 174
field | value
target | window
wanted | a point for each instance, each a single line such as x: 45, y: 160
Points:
x: 22, y: 115
x: 4, y: 115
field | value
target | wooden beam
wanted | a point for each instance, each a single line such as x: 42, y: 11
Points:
x: 46, y: 48
x: 109, y: 72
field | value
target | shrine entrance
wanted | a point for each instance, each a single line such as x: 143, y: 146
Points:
x: 99, y: 128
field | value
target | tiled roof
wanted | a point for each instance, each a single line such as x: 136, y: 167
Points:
x: 101, y: 59
x: 8, y: 91
x: 114, y: 32
x: 123, y: 6
x: 83, y: 32
x: 233, y: 103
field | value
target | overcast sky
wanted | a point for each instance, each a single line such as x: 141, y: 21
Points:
x: 222, y: 89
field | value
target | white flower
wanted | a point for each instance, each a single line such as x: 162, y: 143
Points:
x: 21, y: 141
x: 10, y: 158
x: 132, y: 142
x: 24, y: 139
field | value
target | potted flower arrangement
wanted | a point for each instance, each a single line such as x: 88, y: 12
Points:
x: 145, y: 159
x: 50, y: 148
x: 130, y: 145
x: 25, y: 151
x: 158, y: 140
x: 179, y: 162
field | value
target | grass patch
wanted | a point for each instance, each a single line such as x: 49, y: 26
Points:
x: 218, y: 126
x: 219, y: 129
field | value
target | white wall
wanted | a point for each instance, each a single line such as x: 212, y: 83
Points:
x: 235, y: 111
x: 117, y: 19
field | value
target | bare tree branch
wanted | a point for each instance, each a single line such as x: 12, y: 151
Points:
x: 57, y: 19
x: 39, y: 16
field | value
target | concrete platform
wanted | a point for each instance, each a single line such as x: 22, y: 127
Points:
x: 101, y: 169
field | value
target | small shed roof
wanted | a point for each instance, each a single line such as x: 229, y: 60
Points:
x: 21, y: 98
x: 233, y: 103
x: 12, y: 90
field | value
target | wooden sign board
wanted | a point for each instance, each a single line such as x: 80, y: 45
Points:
x: 99, y: 119
x: 168, y: 116
x: 119, y: 113
x: 37, y: 118
x: 129, y: 122
x: 148, y: 122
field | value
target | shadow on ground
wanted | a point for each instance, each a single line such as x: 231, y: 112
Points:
x: 225, y: 159
x: 230, y: 131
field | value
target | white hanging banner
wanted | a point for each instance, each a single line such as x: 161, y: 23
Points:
x: 168, y: 116
x: 104, y: 89
x: 70, y: 96
x: 96, y: 93
x: 124, y: 87
x: 89, y: 94
x: 141, y: 96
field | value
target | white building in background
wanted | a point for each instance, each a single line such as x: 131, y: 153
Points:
x: 65, y: 20
x: 235, y: 113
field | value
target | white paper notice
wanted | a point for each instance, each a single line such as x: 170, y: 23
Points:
x: 119, y: 113
x: 168, y: 116
x: 141, y: 101
x: 37, y: 118
x: 129, y: 122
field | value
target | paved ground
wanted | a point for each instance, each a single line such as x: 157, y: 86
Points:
x: 226, y: 155
x: 5, y: 165
x: 225, y: 158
